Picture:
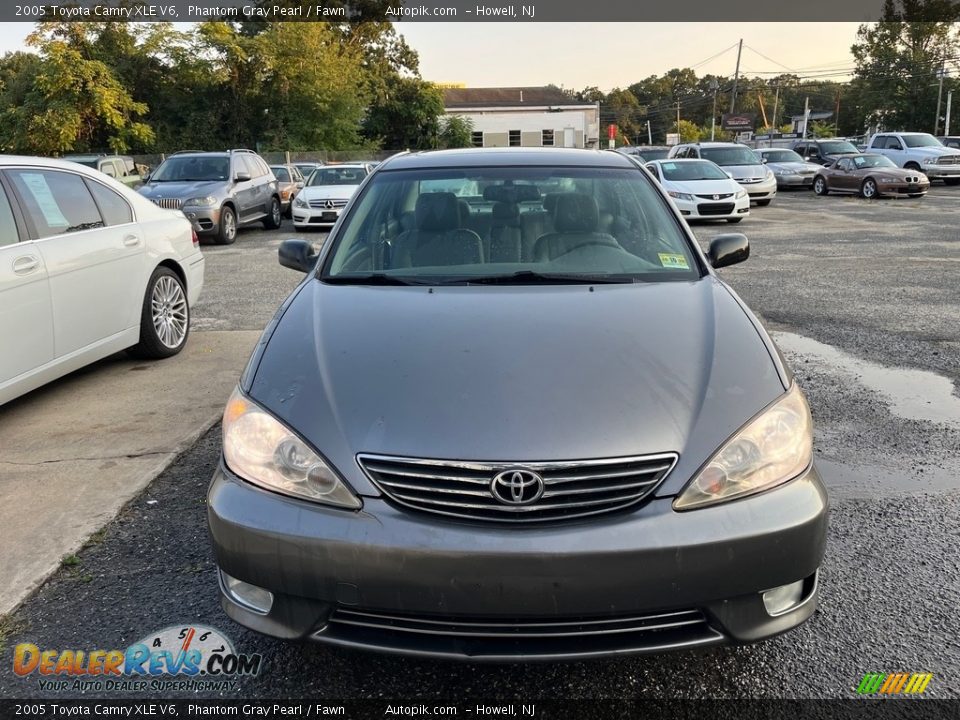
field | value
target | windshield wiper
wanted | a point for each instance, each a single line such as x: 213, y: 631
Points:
x: 531, y: 277
x: 371, y: 279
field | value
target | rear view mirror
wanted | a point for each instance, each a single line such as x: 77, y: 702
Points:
x: 297, y: 255
x: 728, y: 249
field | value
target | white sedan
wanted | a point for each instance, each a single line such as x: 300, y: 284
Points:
x: 326, y: 193
x: 701, y: 190
x: 88, y: 267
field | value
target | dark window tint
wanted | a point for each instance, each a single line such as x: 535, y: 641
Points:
x: 514, y: 138
x: 476, y: 138
x: 281, y: 174
x: 114, y: 208
x: 546, y: 138
x: 8, y: 227
x: 56, y: 202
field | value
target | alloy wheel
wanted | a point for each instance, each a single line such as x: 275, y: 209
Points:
x: 169, y: 311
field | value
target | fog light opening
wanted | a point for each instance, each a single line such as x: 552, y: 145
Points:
x: 783, y: 599
x: 251, y: 597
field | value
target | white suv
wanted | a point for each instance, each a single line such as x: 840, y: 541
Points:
x: 739, y: 162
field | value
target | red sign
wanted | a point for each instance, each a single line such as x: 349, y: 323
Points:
x: 612, y: 131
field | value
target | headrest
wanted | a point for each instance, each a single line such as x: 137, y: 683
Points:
x: 550, y: 202
x: 505, y: 213
x: 511, y: 193
x: 463, y: 208
x: 437, y: 212
x: 576, y: 213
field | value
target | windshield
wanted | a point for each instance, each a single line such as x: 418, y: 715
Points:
x: 193, y: 167
x: 781, y: 156
x: 730, y: 156
x: 923, y: 140
x: 653, y: 153
x: 511, y: 225
x: 281, y: 173
x: 337, y: 176
x: 693, y: 170
x: 837, y: 147
x: 872, y: 161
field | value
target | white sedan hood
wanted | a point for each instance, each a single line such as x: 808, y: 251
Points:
x: 327, y: 192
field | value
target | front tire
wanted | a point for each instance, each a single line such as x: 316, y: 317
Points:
x: 820, y: 185
x: 869, y: 189
x: 164, y: 316
x: 227, y: 232
x: 274, y: 217
x: 912, y: 166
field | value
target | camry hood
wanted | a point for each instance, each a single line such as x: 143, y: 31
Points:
x: 516, y: 373
x: 746, y: 172
x: 795, y: 167
x: 182, y: 190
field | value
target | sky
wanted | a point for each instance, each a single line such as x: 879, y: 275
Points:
x: 607, y: 55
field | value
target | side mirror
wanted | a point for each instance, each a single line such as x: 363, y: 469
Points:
x: 298, y: 255
x: 242, y: 176
x: 764, y: 160
x: 728, y: 249
x: 146, y: 178
x: 300, y: 185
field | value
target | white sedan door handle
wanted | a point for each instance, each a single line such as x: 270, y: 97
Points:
x: 25, y: 264
x: 131, y: 241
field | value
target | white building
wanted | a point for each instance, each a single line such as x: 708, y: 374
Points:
x: 525, y: 117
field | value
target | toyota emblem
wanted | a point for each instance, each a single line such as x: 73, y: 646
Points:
x: 517, y: 487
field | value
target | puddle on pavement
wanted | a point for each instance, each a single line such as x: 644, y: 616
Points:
x: 873, y: 481
x: 911, y: 394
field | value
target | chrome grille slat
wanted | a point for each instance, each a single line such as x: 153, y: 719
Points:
x: 167, y: 203
x: 476, y: 622
x: 570, y: 489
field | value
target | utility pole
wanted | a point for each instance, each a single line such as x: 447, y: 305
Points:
x: 946, y: 125
x: 649, y: 134
x: 678, y: 117
x: 736, y: 76
x: 936, y: 120
x: 806, y: 116
x: 714, y: 85
x: 776, y: 103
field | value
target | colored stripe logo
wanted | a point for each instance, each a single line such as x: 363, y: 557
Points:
x: 894, y: 683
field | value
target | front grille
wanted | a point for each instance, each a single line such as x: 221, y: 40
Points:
x: 571, y: 489
x: 328, y: 204
x: 949, y: 160
x: 168, y: 203
x: 717, y: 209
x: 724, y: 196
x: 749, y: 181
x: 485, y: 637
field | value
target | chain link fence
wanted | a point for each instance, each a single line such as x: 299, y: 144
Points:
x: 290, y: 156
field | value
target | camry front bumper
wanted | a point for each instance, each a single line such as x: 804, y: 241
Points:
x: 643, y: 581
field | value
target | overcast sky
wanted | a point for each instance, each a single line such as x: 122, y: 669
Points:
x: 607, y: 55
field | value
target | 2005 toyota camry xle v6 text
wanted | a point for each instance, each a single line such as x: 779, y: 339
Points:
x: 512, y: 413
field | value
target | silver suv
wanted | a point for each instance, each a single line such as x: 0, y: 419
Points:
x: 217, y: 191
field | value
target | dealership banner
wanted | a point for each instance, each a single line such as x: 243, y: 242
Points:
x: 513, y: 708
x: 436, y: 11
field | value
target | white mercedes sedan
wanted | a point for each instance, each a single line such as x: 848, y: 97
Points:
x: 701, y: 190
x: 326, y: 193
x: 88, y: 267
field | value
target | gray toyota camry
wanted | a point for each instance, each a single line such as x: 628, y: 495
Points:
x: 511, y: 412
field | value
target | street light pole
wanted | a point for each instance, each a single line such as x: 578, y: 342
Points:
x: 714, y: 85
x: 946, y: 125
x: 936, y: 120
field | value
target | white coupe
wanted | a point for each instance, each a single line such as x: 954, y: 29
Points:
x: 88, y: 267
x: 701, y: 190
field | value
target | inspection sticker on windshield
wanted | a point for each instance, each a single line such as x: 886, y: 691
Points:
x: 670, y: 260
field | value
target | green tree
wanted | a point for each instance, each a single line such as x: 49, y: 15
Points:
x: 898, y: 60
x: 456, y: 131
x: 408, y: 117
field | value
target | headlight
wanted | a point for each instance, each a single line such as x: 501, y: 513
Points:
x: 207, y: 201
x: 261, y: 450
x: 680, y: 196
x: 741, y: 194
x: 774, y: 447
x: 769, y: 173
x: 929, y: 161
x: 300, y: 202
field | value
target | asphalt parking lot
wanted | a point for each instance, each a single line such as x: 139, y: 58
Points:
x: 863, y: 299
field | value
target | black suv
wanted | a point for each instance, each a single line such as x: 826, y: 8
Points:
x: 823, y: 151
x: 217, y: 191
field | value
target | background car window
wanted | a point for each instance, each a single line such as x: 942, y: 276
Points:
x: 281, y: 174
x: 108, y: 169
x: 337, y: 176
x: 192, y: 168
x: 8, y: 226
x: 692, y: 171
x: 55, y: 202
x: 113, y: 208
x: 730, y: 155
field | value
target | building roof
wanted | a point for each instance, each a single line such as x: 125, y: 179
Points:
x: 508, y: 97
